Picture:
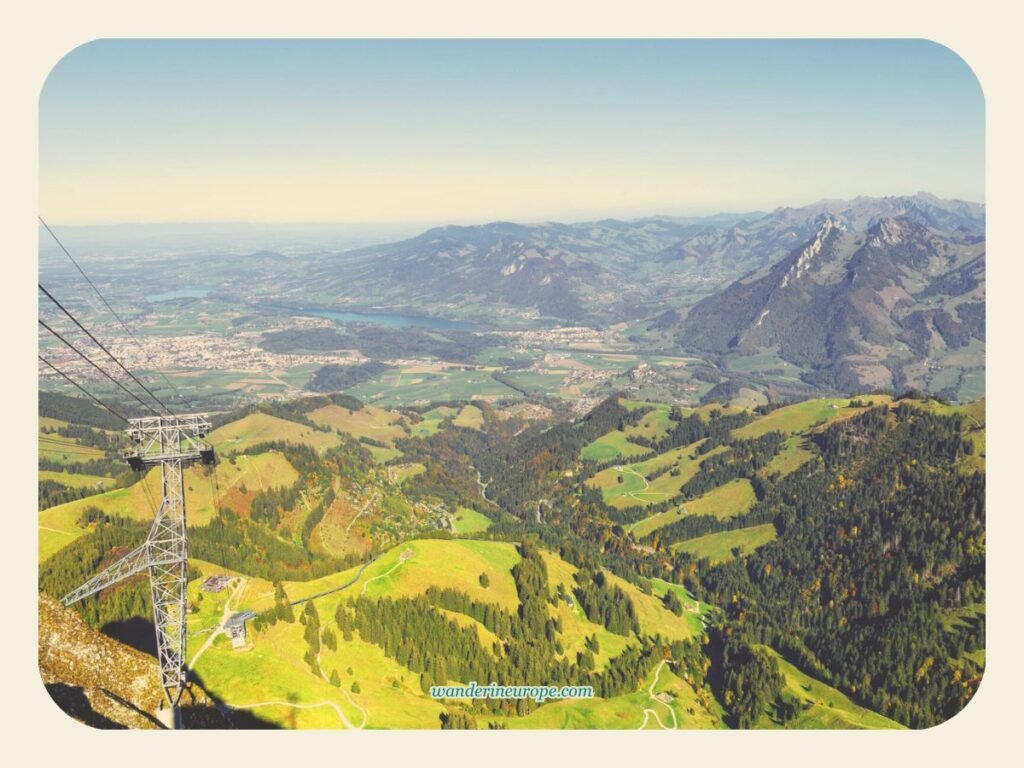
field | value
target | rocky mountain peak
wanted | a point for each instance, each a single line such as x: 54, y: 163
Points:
x: 889, y: 231
x: 829, y: 225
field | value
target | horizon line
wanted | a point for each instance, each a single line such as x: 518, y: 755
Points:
x: 509, y: 220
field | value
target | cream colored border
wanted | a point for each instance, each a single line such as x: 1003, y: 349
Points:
x: 983, y: 33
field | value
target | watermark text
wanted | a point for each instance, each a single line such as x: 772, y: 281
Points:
x: 538, y: 693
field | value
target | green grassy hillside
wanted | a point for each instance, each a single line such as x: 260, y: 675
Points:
x: 269, y: 673
x: 822, y: 707
x: 630, y: 485
x: 369, y: 421
x: 259, y: 428
x: 733, y: 498
x: 237, y: 479
x: 560, y: 588
x: 718, y: 547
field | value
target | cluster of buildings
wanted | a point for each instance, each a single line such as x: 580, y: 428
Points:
x: 562, y: 336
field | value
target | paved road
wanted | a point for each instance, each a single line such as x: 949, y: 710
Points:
x: 346, y: 585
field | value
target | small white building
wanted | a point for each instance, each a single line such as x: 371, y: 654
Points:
x: 235, y: 628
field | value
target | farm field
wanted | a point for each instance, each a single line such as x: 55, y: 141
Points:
x: 718, y: 547
x: 635, y: 405
x: 58, y: 526
x: 610, y: 446
x: 271, y: 677
x: 694, y: 610
x: 407, y: 570
x: 259, y: 428
x: 64, y: 450
x: 383, y: 455
x: 790, y: 419
x: 539, y: 381
x: 336, y: 533
x: 226, y: 384
x: 825, y: 706
x: 470, y: 417
x: 470, y: 521
x: 790, y: 457
x: 762, y: 361
x: 800, y: 417
x: 576, y: 628
x: 432, y: 421
x: 457, y: 564
x: 654, y: 619
x: 729, y: 500
x: 413, y: 388
x: 654, y: 425
x: 76, y: 481
x: 973, y: 384
x: 734, y: 498
x: 636, y: 490
x: 369, y: 421
x: 748, y: 398
x: 67, y: 454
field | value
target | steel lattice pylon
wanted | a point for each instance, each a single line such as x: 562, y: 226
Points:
x: 172, y: 442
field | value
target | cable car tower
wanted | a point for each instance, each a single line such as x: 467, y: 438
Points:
x: 172, y: 442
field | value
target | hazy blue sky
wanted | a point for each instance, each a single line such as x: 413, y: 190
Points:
x: 460, y: 131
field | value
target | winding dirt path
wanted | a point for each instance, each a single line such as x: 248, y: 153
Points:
x: 314, y: 705
x: 351, y: 701
x: 637, y: 494
x: 374, y: 498
x: 347, y: 695
x: 621, y: 468
x: 647, y: 716
x: 401, y: 559
x: 54, y: 530
x: 650, y: 694
x: 220, y: 627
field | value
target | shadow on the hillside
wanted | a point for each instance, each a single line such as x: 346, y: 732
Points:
x: 217, y: 714
x: 137, y: 633
x: 128, y: 705
x: 73, y: 701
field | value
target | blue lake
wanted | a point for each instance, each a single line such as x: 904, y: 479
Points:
x: 180, y: 293
x: 385, y: 319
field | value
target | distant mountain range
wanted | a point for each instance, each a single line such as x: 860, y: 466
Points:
x: 575, y: 272
x: 752, y: 243
x: 854, y: 293
x: 605, y: 270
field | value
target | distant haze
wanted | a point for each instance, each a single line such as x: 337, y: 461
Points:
x: 469, y: 131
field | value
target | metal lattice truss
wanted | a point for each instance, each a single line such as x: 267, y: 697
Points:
x: 172, y: 442
x: 159, y: 438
